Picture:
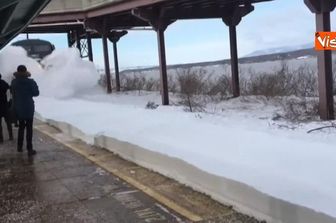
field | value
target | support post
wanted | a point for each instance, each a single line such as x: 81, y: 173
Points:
x: 159, y: 24
x: 325, y: 75
x: 116, y: 65
x: 107, y: 64
x: 232, y: 20
x: 69, y: 39
x: 114, y: 38
x: 234, y: 62
x: 89, y: 43
x: 163, y: 66
x: 78, y: 42
x: 322, y: 9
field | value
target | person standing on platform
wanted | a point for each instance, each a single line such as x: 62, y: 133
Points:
x: 23, y: 90
x: 4, y: 107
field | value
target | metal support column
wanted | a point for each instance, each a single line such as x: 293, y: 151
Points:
x: 234, y: 61
x: 78, y: 41
x: 114, y: 37
x: 322, y: 9
x: 232, y: 20
x: 163, y: 66
x: 159, y: 24
x: 107, y: 64
x: 116, y: 65
x: 69, y: 39
x: 89, y: 44
x: 325, y: 75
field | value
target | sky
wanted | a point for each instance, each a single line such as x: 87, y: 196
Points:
x: 279, y: 23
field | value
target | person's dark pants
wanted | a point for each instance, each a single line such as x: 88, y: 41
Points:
x: 9, y: 128
x: 28, y: 125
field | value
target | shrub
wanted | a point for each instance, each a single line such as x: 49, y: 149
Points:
x: 221, y: 86
x: 305, y: 82
x: 131, y: 83
x: 301, y: 109
x: 192, y: 86
x: 278, y: 83
x: 152, y: 105
x: 151, y: 84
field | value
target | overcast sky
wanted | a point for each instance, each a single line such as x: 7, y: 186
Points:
x: 272, y: 24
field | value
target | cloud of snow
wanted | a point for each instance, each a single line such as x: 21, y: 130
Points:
x: 66, y: 74
x: 11, y: 57
x: 62, y: 74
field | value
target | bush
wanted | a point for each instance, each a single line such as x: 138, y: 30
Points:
x: 196, y: 87
x: 172, y: 84
x: 305, y: 82
x: 138, y: 82
x: 132, y: 83
x: 103, y: 81
x: 151, y: 84
x: 278, y: 83
x: 301, y: 82
x: 301, y: 109
x: 192, y: 86
x: 152, y: 105
x: 221, y: 86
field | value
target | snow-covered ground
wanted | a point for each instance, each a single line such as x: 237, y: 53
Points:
x: 239, y: 140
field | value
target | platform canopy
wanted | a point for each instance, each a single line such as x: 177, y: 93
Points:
x: 120, y: 11
x: 57, y: 6
x: 16, y: 15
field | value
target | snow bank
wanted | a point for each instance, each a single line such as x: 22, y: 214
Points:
x: 240, y: 145
x: 62, y: 74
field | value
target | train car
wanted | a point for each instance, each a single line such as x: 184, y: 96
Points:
x: 36, y: 48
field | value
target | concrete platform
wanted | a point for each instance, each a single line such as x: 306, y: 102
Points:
x: 59, y: 185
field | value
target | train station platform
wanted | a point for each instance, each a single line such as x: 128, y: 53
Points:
x: 60, y: 184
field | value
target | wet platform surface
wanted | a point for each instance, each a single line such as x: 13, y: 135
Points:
x: 59, y: 185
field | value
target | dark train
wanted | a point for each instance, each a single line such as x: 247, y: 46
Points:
x: 36, y: 48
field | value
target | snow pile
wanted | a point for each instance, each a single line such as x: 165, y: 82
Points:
x: 240, y: 144
x: 63, y: 74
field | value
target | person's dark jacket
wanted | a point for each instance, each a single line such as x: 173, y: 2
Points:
x: 23, y: 90
x: 3, y: 97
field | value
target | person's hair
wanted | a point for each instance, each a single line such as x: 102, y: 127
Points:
x: 22, y: 68
x: 0, y: 76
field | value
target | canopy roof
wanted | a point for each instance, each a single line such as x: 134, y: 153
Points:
x: 119, y: 12
x: 16, y: 15
x: 57, y: 6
